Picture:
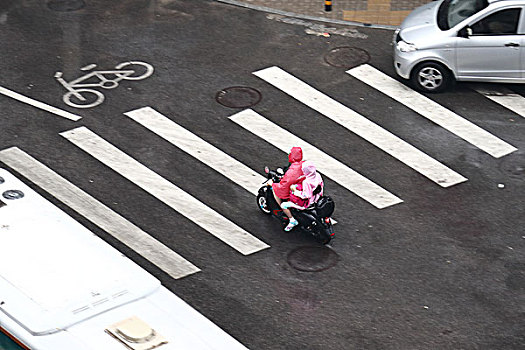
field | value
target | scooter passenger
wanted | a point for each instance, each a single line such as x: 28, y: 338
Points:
x: 309, y: 191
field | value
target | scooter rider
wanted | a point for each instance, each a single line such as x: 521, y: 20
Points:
x: 294, y: 174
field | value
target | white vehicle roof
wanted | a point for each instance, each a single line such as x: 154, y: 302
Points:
x: 53, y: 271
x: 62, y: 287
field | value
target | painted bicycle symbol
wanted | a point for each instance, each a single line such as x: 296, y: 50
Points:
x: 81, y: 93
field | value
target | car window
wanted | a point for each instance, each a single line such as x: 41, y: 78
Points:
x: 452, y: 12
x: 498, y: 23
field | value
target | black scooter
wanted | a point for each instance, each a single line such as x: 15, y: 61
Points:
x: 314, y: 220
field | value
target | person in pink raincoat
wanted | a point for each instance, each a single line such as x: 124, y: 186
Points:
x: 305, y: 193
x: 281, y: 190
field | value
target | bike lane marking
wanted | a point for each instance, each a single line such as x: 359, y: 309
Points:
x: 361, y: 126
x: 76, y: 89
x: 433, y: 111
x: 504, y: 97
x: 98, y: 213
x: 39, y: 104
x: 190, y: 143
x: 165, y: 191
x: 334, y: 169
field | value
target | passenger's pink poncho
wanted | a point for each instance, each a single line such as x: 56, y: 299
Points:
x: 304, y: 195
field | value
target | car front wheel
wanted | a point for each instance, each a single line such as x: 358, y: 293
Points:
x: 431, y: 77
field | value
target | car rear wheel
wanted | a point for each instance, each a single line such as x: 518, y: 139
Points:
x: 430, y: 77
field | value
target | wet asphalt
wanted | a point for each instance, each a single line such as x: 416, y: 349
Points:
x: 442, y: 270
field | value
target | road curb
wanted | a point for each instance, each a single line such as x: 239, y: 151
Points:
x: 307, y: 17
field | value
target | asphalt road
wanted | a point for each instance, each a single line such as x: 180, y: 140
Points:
x: 444, y: 269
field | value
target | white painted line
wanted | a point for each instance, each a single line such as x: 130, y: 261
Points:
x: 337, y: 171
x: 198, y: 148
x: 505, y: 97
x: 156, y: 185
x: 361, y: 126
x: 39, y: 104
x: 433, y: 111
x: 99, y: 214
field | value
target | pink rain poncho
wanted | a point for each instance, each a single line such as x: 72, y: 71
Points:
x: 292, y: 176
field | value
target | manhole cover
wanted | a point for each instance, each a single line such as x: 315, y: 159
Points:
x: 346, y: 57
x: 13, y: 194
x: 514, y: 169
x: 312, y: 259
x: 65, y: 5
x: 238, y: 97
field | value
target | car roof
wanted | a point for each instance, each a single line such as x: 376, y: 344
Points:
x: 494, y: 1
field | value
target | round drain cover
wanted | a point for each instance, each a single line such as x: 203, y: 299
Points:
x: 238, y: 97
x: 346, y: 57
x: 65, y: 5
x: 312, y: 259
x: 13, y: 194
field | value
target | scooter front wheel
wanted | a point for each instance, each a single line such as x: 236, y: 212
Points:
x: 262, y: 203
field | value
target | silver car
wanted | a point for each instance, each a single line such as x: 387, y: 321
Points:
x: 464, y: 40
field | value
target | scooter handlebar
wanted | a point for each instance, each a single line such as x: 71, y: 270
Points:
x: 275, y: 176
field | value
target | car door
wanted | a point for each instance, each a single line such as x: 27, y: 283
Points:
x: 492, y: 48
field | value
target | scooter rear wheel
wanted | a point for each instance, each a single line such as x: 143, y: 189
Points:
x: 324, y: 237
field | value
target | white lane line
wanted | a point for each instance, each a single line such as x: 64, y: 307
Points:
x: 505, y: 97
x: 176, y: 198
x: 39, y: 104
x: 198, y: 148
x: 337, y: 171
x: 433, y: 111
x: 99, y: 214
x: 361, y: 126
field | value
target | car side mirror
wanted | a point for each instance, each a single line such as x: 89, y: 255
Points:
x: 465, y: 32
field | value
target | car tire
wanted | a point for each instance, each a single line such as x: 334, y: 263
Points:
x: 430, y: 77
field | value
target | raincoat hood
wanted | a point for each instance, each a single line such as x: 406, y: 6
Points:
x: 309, y: 169
x: 296, y: 155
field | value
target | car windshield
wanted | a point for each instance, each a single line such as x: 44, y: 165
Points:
x: 451, y: 12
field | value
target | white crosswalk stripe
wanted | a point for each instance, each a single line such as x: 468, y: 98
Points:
x: 198, y: 148
x: 361, y: 126
x: 167, y: 192
x: 99, y: 214
x: 505, y: 97
x: 337, y: 171
x: 433, y: 111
